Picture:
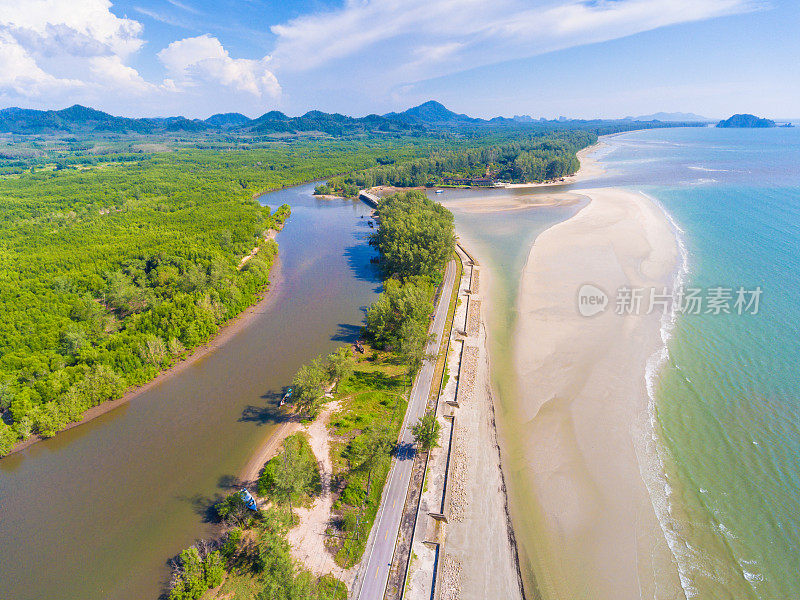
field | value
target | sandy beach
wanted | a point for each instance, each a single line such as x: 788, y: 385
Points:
x: 575, y: 433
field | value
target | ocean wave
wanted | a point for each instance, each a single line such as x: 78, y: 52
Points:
x: 652, y: 464
x: 691, y: 561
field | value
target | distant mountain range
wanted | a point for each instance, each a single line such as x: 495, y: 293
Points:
x: 430, y: 115
x: 671, y: 117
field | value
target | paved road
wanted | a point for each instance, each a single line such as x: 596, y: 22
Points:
x: 379, y: 557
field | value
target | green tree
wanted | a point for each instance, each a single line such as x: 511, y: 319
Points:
x: 374, y: 444
x: 213, y: 569
x: 416, y: 235
x: 292, y: 473
x: 341, y: 364
x: 189, y: 581
x: 414, y: 339
x: 233, y: 509
x: 426, y: 432
x: 309, y: 386
x: 397, y: 305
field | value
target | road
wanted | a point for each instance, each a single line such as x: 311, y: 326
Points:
x: 379, y: 557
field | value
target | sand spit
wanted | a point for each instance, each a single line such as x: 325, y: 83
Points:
x: 582, y: 515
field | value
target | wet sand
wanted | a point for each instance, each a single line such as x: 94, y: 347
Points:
x: 578, y: 429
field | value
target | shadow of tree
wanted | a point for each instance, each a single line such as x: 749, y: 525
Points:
x: 358, y: 259
x: 270, y: 413
x: 347, y: 333
x: 405, y: 451
x: 203, y: 505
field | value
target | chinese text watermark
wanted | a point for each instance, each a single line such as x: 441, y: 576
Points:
x: 717, y: 300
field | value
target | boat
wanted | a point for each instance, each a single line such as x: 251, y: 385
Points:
x: 439, y: 191
x: 287, y: 396
x: 249, y: 501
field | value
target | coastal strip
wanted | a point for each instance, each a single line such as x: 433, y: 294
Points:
x: 581, y: 510
x: 463, y: 545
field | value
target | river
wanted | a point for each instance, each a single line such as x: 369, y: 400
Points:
x: 95, y: 512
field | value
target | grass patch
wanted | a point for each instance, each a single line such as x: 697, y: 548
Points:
x: 373, y: 398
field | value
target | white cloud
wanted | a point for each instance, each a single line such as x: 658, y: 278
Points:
x: 409, y: 40
x: 20, y: 74
x: 194, y: 61
x: 113, y: 71
x: 60, y: 24
x: 51, y: 46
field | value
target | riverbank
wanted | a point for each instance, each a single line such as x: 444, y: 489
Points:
x: 572, y: 435
x: 226, y: 332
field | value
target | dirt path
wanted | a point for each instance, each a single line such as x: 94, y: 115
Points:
x: 308, y: 537
x: 268, y: 235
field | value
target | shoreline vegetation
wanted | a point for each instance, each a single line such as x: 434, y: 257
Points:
x: 129, y: 267
x: 534, y: 158
x: 226, y: 331
x: 325, y: 469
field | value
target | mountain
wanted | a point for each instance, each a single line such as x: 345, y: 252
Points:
x: 431, y: 113
x: 81, y: 119
x: 746, y: 121
x: 227, y: 120
x: 429, y: 116
x: 671, y: 117
x: 330, y: 123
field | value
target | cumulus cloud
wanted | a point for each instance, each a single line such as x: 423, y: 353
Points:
x: 193, y: 61
x: 57, y: 52
x: 415, y: 39
x: 47, y: 46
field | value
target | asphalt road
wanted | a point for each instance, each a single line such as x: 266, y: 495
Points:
x: 379, y: 558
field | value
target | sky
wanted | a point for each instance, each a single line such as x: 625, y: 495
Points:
x: 578, y: 58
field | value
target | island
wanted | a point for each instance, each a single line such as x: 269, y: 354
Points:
x: 746, y: 121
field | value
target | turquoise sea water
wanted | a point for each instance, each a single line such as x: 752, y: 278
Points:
x: 727, y: 398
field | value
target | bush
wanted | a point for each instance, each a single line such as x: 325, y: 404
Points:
x: 292, y: 474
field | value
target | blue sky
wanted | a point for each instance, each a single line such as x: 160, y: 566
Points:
x: 580, y: 58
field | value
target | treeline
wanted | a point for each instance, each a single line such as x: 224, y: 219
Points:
x: 524, y: 158
x: 109, y: 275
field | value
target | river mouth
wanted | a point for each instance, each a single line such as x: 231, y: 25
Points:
x: 97, y: 511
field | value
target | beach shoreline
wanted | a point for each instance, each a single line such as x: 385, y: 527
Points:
x: 580, y: 419
x: 230, y: 329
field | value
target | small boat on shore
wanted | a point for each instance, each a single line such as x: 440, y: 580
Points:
x: 286, y: 397
x: 249, y: 501
x: 439, y: 191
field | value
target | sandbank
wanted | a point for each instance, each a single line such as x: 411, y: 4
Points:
x: 576, y: 434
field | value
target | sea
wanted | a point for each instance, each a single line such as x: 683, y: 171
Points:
x: 725, y: 387
x: 725, y: 391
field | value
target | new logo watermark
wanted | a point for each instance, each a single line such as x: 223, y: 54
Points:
x: 718, y: 300
x: 591, y: 300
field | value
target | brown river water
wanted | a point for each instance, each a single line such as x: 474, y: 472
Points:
x: 96, y: 512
